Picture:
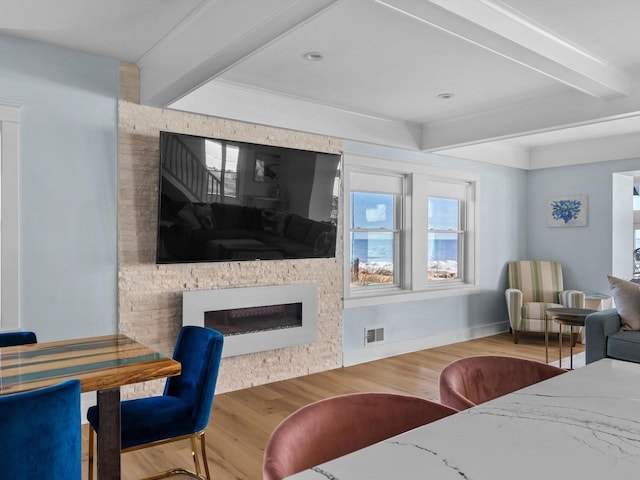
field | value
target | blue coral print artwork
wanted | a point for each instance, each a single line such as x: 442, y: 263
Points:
x: 568, y: 211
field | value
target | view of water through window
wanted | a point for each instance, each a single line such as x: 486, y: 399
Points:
x: 374, y: 238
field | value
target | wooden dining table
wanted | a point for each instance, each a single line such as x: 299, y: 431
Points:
x: 102, y: 364
x: 583, y: 424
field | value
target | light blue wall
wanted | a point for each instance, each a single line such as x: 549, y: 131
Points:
x: 68, y: 197
x: 68, y: 186
x: 585, y: 252
x: 502, y: 203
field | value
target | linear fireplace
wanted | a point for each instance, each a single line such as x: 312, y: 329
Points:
x: 255, y: 319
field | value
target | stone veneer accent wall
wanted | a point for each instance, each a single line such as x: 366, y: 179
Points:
x: 150, y: 295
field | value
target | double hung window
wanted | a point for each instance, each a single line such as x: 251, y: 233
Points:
x: 375, y: 225
x: 374, y: 238
x: 446, y: 228
x: 411, y: 230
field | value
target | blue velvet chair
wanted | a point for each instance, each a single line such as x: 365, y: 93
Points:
x: 182, y: 412
x: 9, y: 339
x: 40, y: 434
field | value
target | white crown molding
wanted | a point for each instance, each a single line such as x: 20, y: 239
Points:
x: 496, y: 153
x: 615, y: 147
x: 560, y: 154
x: 542, y: 115
x: 237, y: 102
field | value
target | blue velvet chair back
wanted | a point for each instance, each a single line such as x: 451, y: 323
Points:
x: 9, y: 339
x: 40, y: 433
x: 199, y: 351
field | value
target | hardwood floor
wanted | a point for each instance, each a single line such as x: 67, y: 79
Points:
x: 242, y: 421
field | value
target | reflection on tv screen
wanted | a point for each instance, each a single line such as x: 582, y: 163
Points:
x: 222, y: 200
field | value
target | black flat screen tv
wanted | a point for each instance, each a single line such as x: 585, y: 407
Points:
x: 224, y: 200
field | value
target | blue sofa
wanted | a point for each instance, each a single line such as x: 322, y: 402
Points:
x: 605, y: 339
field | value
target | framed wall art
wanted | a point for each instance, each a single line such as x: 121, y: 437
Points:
x: 567, y: 211
x: 267, y: 167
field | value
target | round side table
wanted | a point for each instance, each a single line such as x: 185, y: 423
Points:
x: 572, y: 317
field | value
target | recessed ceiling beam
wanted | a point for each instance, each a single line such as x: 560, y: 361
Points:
x: 215, y: 37
x: 492, y: 25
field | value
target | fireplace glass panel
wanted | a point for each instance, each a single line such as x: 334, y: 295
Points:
x: 237, y: 321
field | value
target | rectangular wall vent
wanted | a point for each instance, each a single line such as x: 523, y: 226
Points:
x: 373, y: 335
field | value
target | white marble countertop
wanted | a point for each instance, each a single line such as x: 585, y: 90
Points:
x: 584, y: 424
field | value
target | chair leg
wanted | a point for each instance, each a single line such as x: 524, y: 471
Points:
x: 167, y: 473
x: 196, y: 460
x: 204, y: 456
x: 516, y: 336
x: 90, y: 456
x: 194, y: 454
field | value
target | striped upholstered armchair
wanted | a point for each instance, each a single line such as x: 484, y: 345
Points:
x: 534, y: 286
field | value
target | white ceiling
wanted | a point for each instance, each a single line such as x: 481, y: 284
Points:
x: 526, y: 75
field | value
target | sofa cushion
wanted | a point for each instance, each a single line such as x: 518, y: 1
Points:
x: 314, y: 232
x: 626, y: 296
x: 294, y: 249
x: 187, y: 216
x: 229, y: 216
x: 325, y: 244
x: 204, y: 215
x: 297, y: 228
x: 624, y: 346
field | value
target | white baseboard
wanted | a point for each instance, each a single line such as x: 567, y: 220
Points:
x: 369, y: 354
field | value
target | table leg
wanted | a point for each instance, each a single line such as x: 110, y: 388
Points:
x: 546, y: 338
x: 560, y: 345
x: 570, y: 347
x: 109, y: 434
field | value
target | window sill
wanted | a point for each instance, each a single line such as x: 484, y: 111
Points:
x: 379, y: 297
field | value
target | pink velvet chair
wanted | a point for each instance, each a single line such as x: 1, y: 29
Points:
x: 470, y: 381
x: 333, y: 427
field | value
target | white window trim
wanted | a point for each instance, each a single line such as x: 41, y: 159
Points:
x: 10, y: 215
x: 413, y: 216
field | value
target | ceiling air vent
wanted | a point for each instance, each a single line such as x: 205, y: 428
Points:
x: 373, y: 335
